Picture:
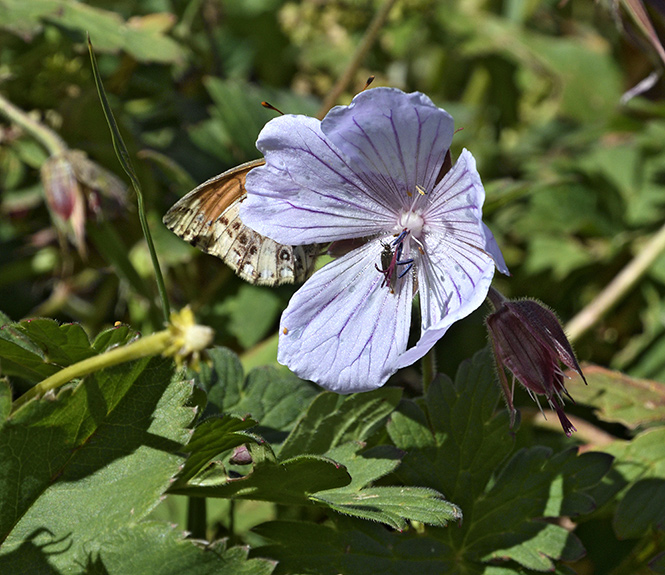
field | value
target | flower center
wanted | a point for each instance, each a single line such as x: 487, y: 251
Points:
x: 412, y: 222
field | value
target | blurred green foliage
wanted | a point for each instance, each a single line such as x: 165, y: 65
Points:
x: 574, y: 178
x: 575, y: 181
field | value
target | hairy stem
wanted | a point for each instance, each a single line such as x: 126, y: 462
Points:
x: 146, y: 346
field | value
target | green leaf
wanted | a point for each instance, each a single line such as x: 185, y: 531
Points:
x: 34, y: 349
x: 126, y: 163
x: 113, y: 249
x: 148, y: 547
x: 456, y: 445
x: 159, y: 550
x: 273, y: 397
x: 390, y: 505
x: 573, y: 62
x: 251, y: 314
x: 332, y: 420
x: 347, y: 545
x: 210, y: 438
x: 366, y: 465
x: 61, y: 344
x: 641, y: 458
x: 289, y: 482
x: 21, y: 357
x: 237, y: 117
x: 533, y: 485
x: 114, y: 336
x: 5, y: 400
x: 140, y: 38
x: 561, y: 254
x: 637, y: 513
x: 105, y: 449
x: 393, y: 506
x: 618, y: 397
x: 454, y: 438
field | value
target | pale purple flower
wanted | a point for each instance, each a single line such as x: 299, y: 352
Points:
x: 373, y: 170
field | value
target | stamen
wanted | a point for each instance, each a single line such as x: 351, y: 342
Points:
x: 271, y: 107
x: 400, y: 238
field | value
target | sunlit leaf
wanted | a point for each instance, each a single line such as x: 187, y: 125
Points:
x: 109, y: 31
x: 332, y: 420
x: 620, y: 398
x: 111, y: 445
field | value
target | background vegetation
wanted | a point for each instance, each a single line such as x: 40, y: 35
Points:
x: 575, y: 177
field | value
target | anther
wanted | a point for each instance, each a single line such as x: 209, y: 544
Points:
x: 271, y: 107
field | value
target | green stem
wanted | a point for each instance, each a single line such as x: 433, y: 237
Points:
x: 125, y: 162
x: 161, y: 287
x: 47, y: 137
x: 146, y: 346
x: 197, y: 522
x: 428, y: 364
x: 618, y: 288
x: 232, y: 517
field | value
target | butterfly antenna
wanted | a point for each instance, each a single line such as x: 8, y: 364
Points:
x: 271, y: 107
x: 369, y: 81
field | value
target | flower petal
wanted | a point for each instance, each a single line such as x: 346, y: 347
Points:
x: 492, y: 248
x: 342, y: 329
x: 455, y: 269
x: 307, y: 193
x: 394, y: 141
x: 446, y: 298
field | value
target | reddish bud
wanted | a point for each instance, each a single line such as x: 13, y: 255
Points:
x: 74, y: 186
x: 65, y: 199
x: 241, y: 456
x: 528, y: 340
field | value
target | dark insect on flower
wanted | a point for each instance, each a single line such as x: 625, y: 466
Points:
x: 391, y: 257
x: 528, y: 340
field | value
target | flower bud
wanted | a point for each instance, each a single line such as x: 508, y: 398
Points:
x: 65, y: 199
x: 188, y: 340
x: 74, y: 186
x: 241, y: 456
x: 528, y: 340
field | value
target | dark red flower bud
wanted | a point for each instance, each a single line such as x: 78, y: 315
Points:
x: 528, y: 340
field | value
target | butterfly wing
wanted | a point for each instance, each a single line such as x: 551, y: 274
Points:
x: 208, y: 217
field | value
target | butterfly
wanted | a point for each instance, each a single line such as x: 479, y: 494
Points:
x: 208, y: 217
